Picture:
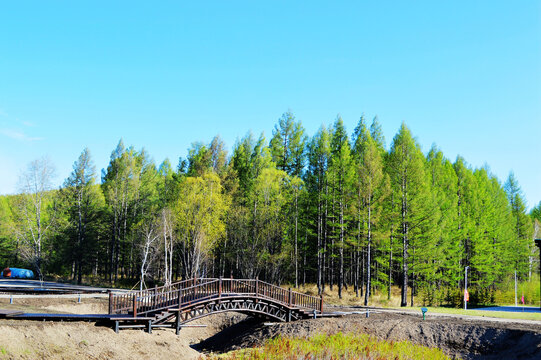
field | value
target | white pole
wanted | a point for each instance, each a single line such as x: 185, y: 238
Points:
x: 465, y: 287
x: 516, y: 304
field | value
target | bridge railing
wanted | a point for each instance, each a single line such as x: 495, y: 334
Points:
x: 139, y: 302
x: 188, y: 292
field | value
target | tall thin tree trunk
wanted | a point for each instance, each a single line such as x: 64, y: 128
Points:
x: 369, y: 243
x: 296, y: 243
x: 341, y: 270
x: 390, y: 264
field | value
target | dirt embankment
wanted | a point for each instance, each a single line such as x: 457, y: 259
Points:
x: 80, y: 340
x: 466, y: 338
x: 20, y: 339
x: 460, y: 338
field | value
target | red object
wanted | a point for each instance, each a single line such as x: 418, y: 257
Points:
x: 466, y: 295
x: 522, y: 299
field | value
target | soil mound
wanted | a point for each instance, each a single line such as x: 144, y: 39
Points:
x: 466, y: 339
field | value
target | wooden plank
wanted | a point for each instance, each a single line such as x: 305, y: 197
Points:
x: 137, y: 319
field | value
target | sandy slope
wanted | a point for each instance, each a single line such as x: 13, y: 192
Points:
x: 45, y: 340
x: 80, y: 340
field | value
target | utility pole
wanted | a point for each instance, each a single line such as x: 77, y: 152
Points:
x: 538, y: 243
x: 466, y: 295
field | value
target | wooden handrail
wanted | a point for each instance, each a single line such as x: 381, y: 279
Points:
x: 186, y: 292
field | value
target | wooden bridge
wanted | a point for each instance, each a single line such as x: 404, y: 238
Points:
x: 184, y: 301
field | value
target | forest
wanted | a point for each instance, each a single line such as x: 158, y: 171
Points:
x: 339, y: 210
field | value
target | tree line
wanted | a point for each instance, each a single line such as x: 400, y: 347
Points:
x: 334, y: 209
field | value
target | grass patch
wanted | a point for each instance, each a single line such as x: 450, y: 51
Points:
x: 337, y: 346
x: 379, y: 299
x: 473, y: 312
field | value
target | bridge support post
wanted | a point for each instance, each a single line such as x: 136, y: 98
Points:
x: 110, y: 302
x: 179, y: 296
x: 220, y: 288
x: 290, y: 297
x: 134, y: 305
x: 289, y: 302
x: 177, y: 322
x: 321, y: 303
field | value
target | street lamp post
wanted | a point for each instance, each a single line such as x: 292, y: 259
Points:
x: 465, y: 287
x: 538, y: 243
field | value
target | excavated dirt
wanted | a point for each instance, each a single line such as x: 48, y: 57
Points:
x: 468, y: 339
x: 23, y: 339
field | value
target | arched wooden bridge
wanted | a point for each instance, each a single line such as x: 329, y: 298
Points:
x: 192, y: 299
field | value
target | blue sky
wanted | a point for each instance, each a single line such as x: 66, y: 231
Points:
x: 464, y: 75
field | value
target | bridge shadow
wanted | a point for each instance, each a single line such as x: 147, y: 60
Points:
x: 232, y: 337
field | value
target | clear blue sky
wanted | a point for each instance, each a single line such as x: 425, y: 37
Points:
x: 465, y: 75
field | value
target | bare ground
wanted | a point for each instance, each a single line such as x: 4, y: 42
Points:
x: 469, y: 339
x: 21, y: 339
x: 81, y: 340
x: 459, y: 337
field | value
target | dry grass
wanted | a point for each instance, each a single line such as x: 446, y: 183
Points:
x: 336, y: 346
x: 350, y: 298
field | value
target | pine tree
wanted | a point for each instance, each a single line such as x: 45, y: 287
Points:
x: 84, y: 201
x: 341, y: 177
x: 287, y: 145
x: 441, y: 267
x: 316, y: 182
x: 376, y: 132
x: 374, y: 187
x: 521, y: 244
x: 409, y: 185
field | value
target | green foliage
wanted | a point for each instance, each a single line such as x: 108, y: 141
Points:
x: 412, y: 191
x: 200, y: 211
x: 7, y: 243
x: 332, y: 209
x: 529, y: 288
x: 287, y: 145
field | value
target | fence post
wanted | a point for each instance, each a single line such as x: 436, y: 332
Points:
x: 134, y: 305
x: 321, y: 303
x: 179, y: 296
x: 289, y: 301
x: 220, y: 288
x: 256, y: 286
x: 110, y: 302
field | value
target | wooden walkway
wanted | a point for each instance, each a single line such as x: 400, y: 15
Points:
x: 184, y: 301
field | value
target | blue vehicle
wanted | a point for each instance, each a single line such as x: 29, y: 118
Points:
x: 16, y: 273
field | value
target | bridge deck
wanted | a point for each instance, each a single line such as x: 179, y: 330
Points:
x: 191, y: 299
x: 194, y: 298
